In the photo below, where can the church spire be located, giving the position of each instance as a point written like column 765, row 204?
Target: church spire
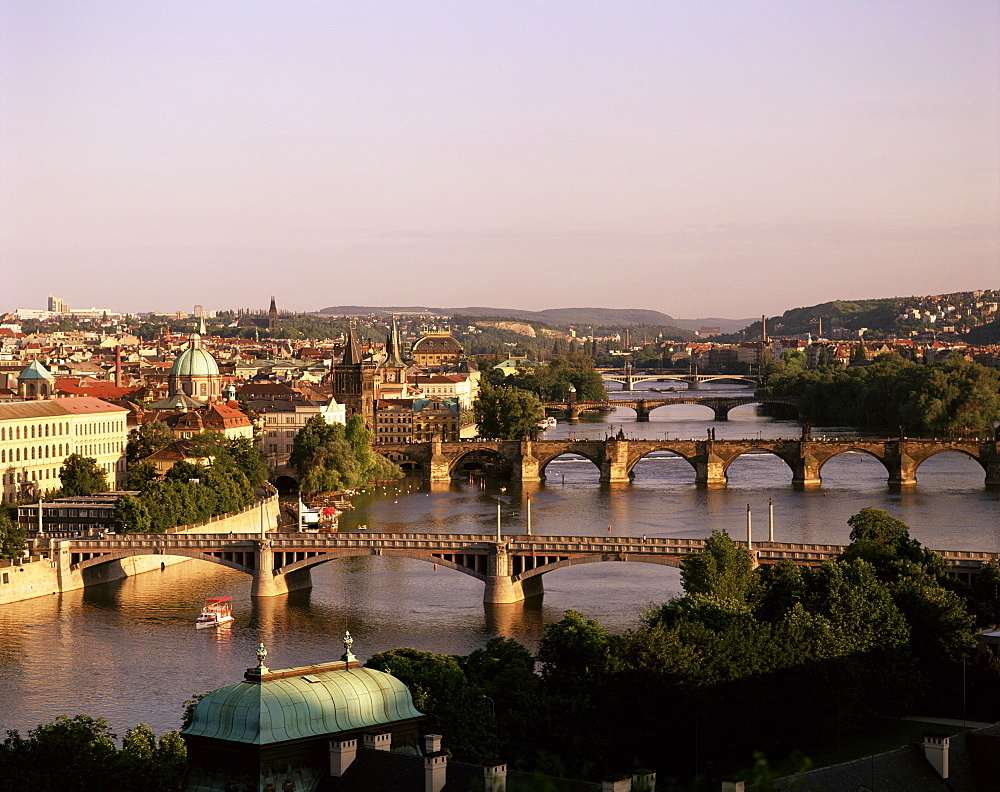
column 352, row 352
column 393, row 358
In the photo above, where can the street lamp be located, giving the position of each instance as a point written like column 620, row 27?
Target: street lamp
column 529, row 516
column 498, row 519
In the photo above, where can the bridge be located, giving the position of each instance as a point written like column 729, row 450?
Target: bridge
column 511, row 567
column 629, row 378
column 720, row 405
column 616, row 457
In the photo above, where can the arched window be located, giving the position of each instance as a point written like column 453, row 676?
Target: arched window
column 18, row 452
column 46, row 430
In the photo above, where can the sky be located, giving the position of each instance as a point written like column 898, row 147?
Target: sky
column 712, row 158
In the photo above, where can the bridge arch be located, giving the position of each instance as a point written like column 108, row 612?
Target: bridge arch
column 855, row 450
column 197, row 555
column 477, row 458
column 665, row 447
column 354, row 552
column 569, row 453
column 685, row 401
column 406, row 463
column 957, row 449
column 669, row 561
column 756, row 451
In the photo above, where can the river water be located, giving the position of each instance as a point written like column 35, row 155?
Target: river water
column 128, row 651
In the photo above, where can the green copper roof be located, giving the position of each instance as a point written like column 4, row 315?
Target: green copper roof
column 194, row 362
column 310, row 704
column 35, row 370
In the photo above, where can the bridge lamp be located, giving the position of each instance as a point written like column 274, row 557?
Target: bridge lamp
column 498, row 519
column 529, row 516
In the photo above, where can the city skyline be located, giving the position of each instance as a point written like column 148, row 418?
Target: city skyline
column 699, row 161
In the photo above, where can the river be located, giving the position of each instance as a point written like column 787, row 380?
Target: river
column 128, row 651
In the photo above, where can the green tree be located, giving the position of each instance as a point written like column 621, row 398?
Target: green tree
column 573, row 650
column 723, row 569
column 506, row 413
column 147, row 439
column 83, row 745
column 11, row 536
column 140, row 475
column 81, row 475
column 131, row 515
column 453, row 705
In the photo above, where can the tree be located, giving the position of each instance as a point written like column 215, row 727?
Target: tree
column 147, row 439
column 11, row 536
column 723, row 569
column 131, row 515
column 81, row 475
column 504, row 413
column 140, row 475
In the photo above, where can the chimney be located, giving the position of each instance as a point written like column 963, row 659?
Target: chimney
column 118, row 366
column 435, row 764
column 342, row 753
column 936, row 752
column 495, row 778
column 378, row 741
column 643, row 781
column 732, row 786
column 617, row 784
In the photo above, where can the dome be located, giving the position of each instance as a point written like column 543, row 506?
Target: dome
column 302, row 703
column 194, row 362
column 35, row 371
column 437, row 343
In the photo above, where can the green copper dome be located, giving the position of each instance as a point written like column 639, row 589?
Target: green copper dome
column 295, row 706
column 195, row 362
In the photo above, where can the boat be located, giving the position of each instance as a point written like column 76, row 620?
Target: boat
column 546, row 423
column 217, row 610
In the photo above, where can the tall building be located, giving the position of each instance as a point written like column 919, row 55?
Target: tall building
column 58, row 305
column 272, row 316
column 37, row 436
column 353, row 382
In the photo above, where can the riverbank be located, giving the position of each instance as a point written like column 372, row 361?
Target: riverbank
column 47, row 572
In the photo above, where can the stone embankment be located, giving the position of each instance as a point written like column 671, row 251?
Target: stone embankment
column 42, row 574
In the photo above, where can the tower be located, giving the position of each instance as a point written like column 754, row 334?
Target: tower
column 36, row 382
column 353, row 381
column 272, row 316
column 393, row 370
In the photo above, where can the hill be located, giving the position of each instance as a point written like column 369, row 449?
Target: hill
column 599, row 317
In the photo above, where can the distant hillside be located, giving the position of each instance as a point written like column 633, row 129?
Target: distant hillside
column 599, row 317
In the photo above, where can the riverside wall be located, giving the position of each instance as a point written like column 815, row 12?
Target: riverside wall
column 43, row 574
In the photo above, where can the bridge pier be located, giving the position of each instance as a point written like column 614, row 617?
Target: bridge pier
column 721, row 412
column 267, row 582
column 526, row 466
column 501, row 588
column 901, row 466
column 641, row 411
column 805, row 473
column 439, row 468
column 709, row 470
column 614, row 467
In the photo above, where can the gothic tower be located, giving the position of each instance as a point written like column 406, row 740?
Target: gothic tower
column 393, row 370
column 272, row 316
column 353, row 382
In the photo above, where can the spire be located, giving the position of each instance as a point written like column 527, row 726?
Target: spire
column 392, row 357
column 201, row 326
column 352, row 352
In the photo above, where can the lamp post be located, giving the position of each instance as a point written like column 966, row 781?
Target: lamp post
column 498, row 519
column 529, row 516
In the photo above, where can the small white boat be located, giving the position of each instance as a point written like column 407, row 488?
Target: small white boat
column 217, row 610
column 546, row 423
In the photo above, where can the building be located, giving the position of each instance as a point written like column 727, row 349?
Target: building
column 436, row 419
column 62, row 518
column 195, row 373
column 436, row 348
column 36, row 382
column 394, row 421
column 37, row 436
column 272, row 316
column 354, row 382
column 448, row 386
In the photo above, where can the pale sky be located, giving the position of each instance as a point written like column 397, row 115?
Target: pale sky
column 697, row 157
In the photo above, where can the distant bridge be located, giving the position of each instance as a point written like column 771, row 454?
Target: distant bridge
column 720, row 405
column 616, row 458
column 511, row 566
column 629, row 378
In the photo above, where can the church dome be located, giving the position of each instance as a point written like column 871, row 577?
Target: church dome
column 194, row 362
column 302, row 703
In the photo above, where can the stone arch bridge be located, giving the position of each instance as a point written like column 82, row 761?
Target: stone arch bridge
column 616, row 458
column 511, row 567
column 720, row 405
column 629, row 378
